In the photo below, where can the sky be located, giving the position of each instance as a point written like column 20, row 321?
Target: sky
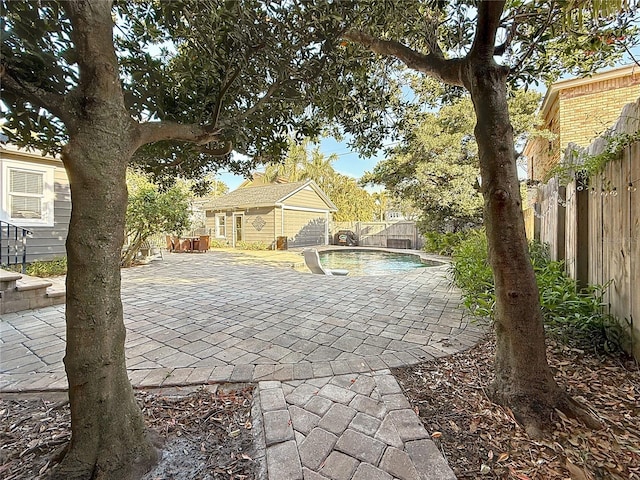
column 350, row 163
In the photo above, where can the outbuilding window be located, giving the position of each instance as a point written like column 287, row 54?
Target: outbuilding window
column 221, row 225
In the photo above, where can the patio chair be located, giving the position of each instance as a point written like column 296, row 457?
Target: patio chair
column 312, row 260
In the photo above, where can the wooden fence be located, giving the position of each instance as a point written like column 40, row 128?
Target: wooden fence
column 594, row 225
column 403, row 234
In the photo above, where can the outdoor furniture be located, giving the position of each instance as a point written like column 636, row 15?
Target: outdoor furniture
column 312, row 260
column 203, row 243
column 175, row 244
column 188, row 244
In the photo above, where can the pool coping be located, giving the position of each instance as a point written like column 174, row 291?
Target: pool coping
column 424, row 256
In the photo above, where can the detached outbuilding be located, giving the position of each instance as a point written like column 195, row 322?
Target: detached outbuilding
column 279, row 214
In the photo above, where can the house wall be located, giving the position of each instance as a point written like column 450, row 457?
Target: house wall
column 579, row 114
column 303, row 228
column 46, row 242
column 306, row 198
column 588, row 110
column 259, row 225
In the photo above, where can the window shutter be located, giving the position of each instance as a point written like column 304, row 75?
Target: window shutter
column 26, row 182
column 26, row 191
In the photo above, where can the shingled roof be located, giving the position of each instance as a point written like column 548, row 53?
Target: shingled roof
column 264, row 196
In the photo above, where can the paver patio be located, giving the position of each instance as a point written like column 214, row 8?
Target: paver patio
column 194, row 319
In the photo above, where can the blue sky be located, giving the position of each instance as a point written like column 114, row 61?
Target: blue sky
column 348, row 162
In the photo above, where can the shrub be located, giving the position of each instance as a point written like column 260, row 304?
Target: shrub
column 218, row 243
column 253, row 245
column 472, row 274
column 42, row 268
column 443, row 243
column 574, row 317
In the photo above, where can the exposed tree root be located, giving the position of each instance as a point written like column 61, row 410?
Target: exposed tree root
column 534, row 413
column 108, row 465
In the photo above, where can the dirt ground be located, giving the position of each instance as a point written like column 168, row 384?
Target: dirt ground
column 209, row 432
column 482, row 440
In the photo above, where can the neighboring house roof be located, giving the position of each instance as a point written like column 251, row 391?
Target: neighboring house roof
column 553, row 91
column 266, row 196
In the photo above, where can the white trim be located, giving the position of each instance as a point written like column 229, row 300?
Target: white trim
column 302, row 209
column 216, row 224
column 48, row 194
column 326, row 228
column 235, row 215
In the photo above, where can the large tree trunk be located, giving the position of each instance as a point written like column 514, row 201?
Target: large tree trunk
column 109, row 439
column 523, row 378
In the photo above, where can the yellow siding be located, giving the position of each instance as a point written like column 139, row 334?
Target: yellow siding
column 306, row 198
column 304, row 228
column 259, row 225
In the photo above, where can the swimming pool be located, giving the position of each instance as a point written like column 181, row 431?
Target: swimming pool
column 373, row 262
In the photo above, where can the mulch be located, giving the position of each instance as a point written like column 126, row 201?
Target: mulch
column 209, row 435
column 482, row 440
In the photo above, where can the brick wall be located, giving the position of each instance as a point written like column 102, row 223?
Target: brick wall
column 578, row 115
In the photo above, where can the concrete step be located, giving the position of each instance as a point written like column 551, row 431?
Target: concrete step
column 23, row 292
column 8, row 280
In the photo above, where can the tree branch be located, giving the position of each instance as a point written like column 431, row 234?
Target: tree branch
column 489, row 13
column 446, row 70
column 38, row 97
column 534, row 41
column 151, row 132
column 273, row 88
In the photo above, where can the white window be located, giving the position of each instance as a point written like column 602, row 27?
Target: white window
column 221, row 225
column 28, row 198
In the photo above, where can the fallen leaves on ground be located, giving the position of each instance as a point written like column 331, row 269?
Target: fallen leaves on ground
column 482, row 440
column 207, row 434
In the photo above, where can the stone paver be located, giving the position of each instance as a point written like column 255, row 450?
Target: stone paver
column 339, row 442
column 318, row 347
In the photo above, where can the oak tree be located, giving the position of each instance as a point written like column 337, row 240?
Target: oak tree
column 435, row 167
column 173, row 87
column 481, row 47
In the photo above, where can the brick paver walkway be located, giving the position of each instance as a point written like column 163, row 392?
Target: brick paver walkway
column 321, row 345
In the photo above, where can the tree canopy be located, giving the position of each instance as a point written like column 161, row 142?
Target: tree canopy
column 436, row 166
column 248, row 73
column 306, row 162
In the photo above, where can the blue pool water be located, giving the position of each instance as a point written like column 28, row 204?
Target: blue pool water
column 372, row 262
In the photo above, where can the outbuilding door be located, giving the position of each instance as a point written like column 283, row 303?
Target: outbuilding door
column 238, row 228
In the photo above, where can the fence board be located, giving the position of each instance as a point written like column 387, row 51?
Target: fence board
column 377, row 234
column 602, row 229
column 634, row 245
column 571, row 229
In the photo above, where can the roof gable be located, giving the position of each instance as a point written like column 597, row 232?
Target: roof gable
column 266, row 196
